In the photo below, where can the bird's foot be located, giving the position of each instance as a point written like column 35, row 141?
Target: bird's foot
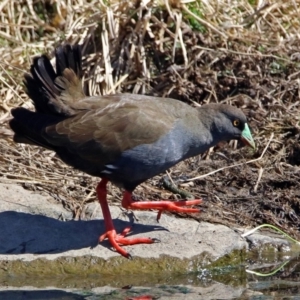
column 116, row 239
column 119, row 239
column 177, row 206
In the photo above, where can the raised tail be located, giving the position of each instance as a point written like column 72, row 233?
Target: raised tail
column 56, row 92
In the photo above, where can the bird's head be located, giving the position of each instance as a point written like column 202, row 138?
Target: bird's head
column 229, row 123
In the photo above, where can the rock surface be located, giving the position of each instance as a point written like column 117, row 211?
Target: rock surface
column 38, row 238
column 35, row 226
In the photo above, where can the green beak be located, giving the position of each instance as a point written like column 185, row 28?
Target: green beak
column 247, row 138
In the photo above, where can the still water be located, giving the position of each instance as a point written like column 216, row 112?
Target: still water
column 277, row 280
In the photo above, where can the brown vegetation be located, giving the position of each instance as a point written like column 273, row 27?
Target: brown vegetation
column 246, row 53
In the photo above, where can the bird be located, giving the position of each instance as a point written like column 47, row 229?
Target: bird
column 124, row 139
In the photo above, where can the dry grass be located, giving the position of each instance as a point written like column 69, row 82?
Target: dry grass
column 241, row 52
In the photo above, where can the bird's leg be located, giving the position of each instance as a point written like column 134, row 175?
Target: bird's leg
column 177, row 206
column 115, row 239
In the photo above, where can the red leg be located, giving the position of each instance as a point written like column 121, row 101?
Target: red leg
column 115, row 239
column 128, row 203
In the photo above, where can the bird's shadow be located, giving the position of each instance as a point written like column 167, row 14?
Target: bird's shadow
column 22, row 233
column 43, row 294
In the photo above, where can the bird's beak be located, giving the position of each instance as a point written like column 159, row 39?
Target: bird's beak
column 247, row 138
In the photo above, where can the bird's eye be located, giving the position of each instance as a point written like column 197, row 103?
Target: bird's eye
column 236, row 123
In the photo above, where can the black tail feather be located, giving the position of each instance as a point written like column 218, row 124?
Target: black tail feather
column 29, row 126
column 40, row 83
column 69, row 57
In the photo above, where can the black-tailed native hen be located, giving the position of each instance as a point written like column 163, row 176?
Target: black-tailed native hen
column 123, row 138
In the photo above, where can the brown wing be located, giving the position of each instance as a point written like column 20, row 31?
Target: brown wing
column 101, row 135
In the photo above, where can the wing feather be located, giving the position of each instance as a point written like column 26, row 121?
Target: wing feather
column 101, row 135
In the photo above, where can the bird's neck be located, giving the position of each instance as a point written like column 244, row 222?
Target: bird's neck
column 201, row 135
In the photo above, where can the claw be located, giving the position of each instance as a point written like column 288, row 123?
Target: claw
column 159, row 215
column 156, row 240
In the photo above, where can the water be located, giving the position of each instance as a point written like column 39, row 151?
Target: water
column 219, row 283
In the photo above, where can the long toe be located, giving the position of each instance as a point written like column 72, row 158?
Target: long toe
column 126, row 242
column 119, row 239
column 178, row 206
column 112, row 237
